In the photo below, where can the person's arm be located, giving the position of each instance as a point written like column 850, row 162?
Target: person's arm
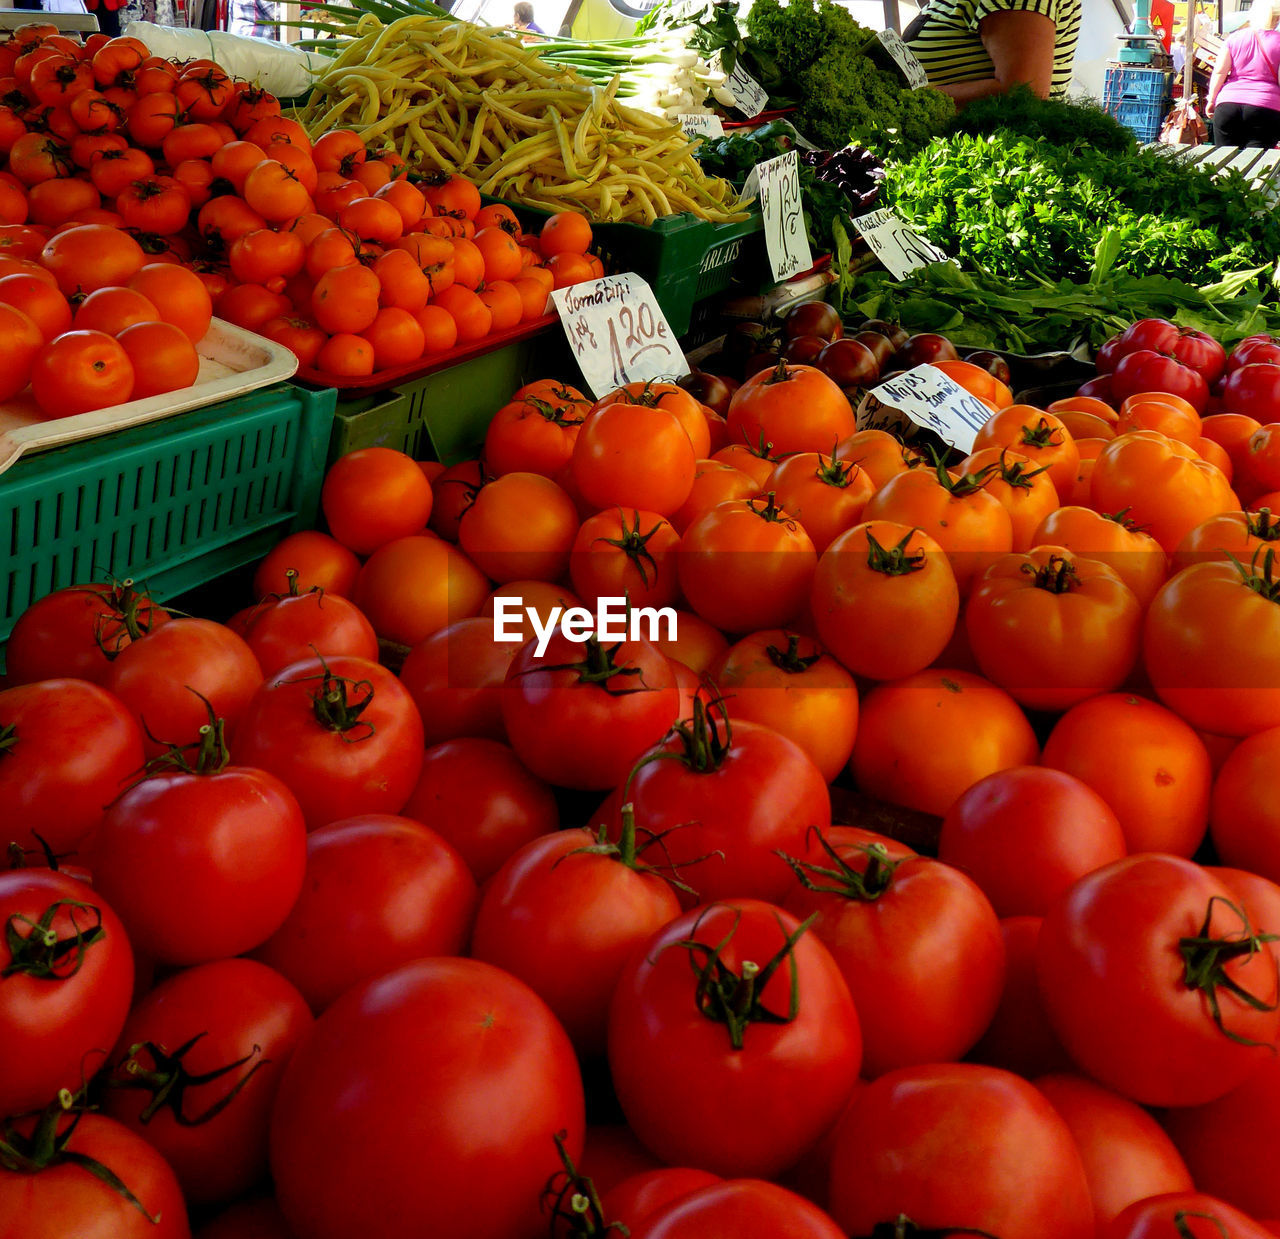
column 1021, row 46
column 1221, row 71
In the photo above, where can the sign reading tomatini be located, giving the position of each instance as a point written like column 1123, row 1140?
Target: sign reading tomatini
column 615, row 619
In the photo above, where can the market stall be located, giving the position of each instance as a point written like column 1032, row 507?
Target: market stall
column 658, row 635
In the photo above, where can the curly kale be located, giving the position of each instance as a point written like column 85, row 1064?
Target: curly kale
column 1063, row 122
column 844, row 93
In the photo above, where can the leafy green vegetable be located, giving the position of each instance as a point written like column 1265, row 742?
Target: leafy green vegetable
column 1020, row 208
column 1062, row 122
column 844, row 94
column 978, row 310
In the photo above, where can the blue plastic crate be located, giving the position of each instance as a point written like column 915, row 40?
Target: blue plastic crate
column 1141, row 116
column 172, row 503
column 1127, row 83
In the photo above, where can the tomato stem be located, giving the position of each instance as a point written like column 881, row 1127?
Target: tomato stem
column 169, row 1079
column 1261, row 581
column 46, row 1148
column 338, row 704
column 553, row 413
column 1262, row 525
column 1058, row 576
column 1205, row 958
column 635, row 545
column 1042, row 435
column 41, row 953
column 771, row 512
column 789, row 660
column 865, row 885
column 575, row 1201
column 897, row 561
column 734, row 999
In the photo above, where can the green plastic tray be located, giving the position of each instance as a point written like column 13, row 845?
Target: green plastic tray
column 683, row 258
column 444, row 416
column 174, row 503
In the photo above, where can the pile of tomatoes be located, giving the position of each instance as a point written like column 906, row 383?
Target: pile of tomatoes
column 354, row 912
column 328, row 248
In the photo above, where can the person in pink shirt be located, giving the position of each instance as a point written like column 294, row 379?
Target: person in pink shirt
column 1244, row 91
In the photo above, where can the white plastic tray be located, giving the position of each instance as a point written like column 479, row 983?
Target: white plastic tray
column 232, row 361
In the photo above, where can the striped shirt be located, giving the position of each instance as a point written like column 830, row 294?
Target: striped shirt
column 945, row 38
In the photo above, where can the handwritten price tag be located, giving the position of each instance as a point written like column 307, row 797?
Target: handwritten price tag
column 618, row 332
column 747, row 93
column 931, row 399
column 777, row 184
column 701, row 124
column 896, row 243
column 904, row 58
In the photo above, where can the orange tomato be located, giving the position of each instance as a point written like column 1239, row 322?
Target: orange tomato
column 925, row 739
column 372, row 219
column 373, row 496
column 92, row 256
column 1242, row 534
column 1170, row 415
column 520, row 527
column 635, row 456
column 20, row 344
column 500, row 252
column 505, row 305
column 112, row 310
column 825, row 495
column 250, row 305
column 163, row 358
column 673, row 398
column 316, row 561
column 1022, row 487
column 179, row 295
column 275, row 192
column 1036, row 434
column 978, row 382
column 439, row 328
column 1129, row 551
column 397, row 338
column 565, row 232
column 714, row 482
column 38, row 297
column 346, row 299
column 346, row 355
column 471, row 316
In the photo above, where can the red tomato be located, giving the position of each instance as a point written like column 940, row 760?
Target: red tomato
column 202, row 865
column 304, row 626
column 918, row 944
column 633, row 1200
column 461, row 1135
column 725, row 801
column 1026, row 834
column 1183, row 1215
column 67, row 749
column 248, row 1219
column 66, row 979
column 1245, row 815
column 163, row 676
column 564, row 914
column 1145, row 370
column 580, row 713
column 54, row 1196
column 792, row 408
column 1019, row 1038
column 1142, row 967
column 626, row 553
column 738, row 1209
column 955, row 1145
column 1126, row 1154
column 455, row 678
column 733, row 1042
column 76, row 632
column 478, row 796
column 380, row 891
column 204, row 1053
column 341, row 734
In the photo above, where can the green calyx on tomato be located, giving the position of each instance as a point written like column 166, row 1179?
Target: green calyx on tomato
column 896, row 560
column 866, row 885
column 169, row 1079
column 555, row 414
column 41, row 953
column 771, row 512
column 1042, row 434
column 1057, row 576
column 129, row 610
column 790, row 659
column 46, row 1147
column 1121, row 518
column 209, row 754
column 1262, row 525
column 625, row 851
column 598, row 668
column 571, row 1198
column 1205, row 959
column 735, row 999
column 635, row 546
column 1017, row 474
column 339, row 702
column 1261, row 581
column 966, row 484
column 833, row 472
column 904, row 1228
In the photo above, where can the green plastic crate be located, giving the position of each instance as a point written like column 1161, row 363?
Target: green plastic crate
column 174, row 504
column 444, row 416
column 683, row 258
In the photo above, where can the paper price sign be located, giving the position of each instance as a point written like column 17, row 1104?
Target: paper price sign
column 747, row 93
column 777, row 184
column 931, row 399
column 618, row 332
column 896, row 243
column 904, row 58
column 701, row 124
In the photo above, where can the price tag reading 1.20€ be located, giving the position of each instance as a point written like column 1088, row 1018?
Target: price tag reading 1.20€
column 618, row 332
column 905, row 59
column 896, row 243
column 931, row 399
column 777, row 183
